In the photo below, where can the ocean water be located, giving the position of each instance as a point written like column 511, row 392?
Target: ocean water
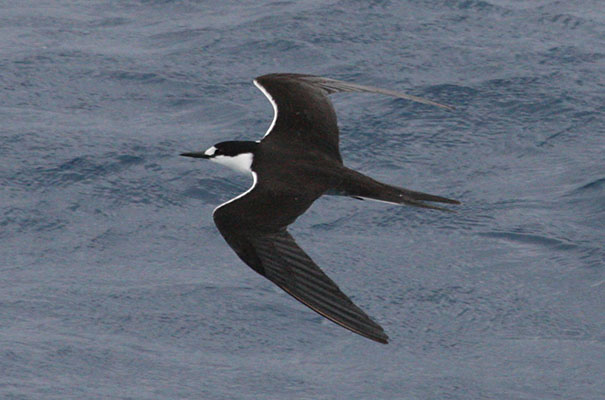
column 115, row 284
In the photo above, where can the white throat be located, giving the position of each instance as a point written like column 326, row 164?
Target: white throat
column 241, row 162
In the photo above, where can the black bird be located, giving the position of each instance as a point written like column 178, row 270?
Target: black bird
column 296, row 162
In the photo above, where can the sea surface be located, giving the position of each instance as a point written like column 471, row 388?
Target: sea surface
column 115, row 283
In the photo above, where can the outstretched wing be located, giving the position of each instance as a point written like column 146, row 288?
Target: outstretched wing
column 262, row 242
column 334, row 86
column 303, row 113
column 289, row 267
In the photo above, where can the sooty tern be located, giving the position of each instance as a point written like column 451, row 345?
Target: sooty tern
column 296, row 162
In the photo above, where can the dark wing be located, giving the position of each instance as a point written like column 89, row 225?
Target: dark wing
column 260, row 239
column 290, row 268
column 303, row 112
column 334, row 86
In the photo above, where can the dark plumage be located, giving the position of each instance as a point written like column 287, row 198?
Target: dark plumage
column 296, row 162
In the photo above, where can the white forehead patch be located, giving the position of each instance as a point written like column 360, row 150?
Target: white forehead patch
column 210, row 151
column 241, row 162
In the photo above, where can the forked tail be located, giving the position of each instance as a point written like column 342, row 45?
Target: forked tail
column 363, row 187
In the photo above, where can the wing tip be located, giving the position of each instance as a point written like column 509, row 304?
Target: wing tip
column 376, row 333
column 379, row 337
column 334, row 85
column 382, row 339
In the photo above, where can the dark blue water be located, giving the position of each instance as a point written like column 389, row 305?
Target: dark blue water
column 116, row 284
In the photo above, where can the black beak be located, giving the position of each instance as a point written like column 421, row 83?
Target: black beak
column 199, row 154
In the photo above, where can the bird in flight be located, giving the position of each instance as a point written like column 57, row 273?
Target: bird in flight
column 297, row 161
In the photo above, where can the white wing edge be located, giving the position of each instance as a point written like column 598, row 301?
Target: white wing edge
column 254, row 181
column 268, row 96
